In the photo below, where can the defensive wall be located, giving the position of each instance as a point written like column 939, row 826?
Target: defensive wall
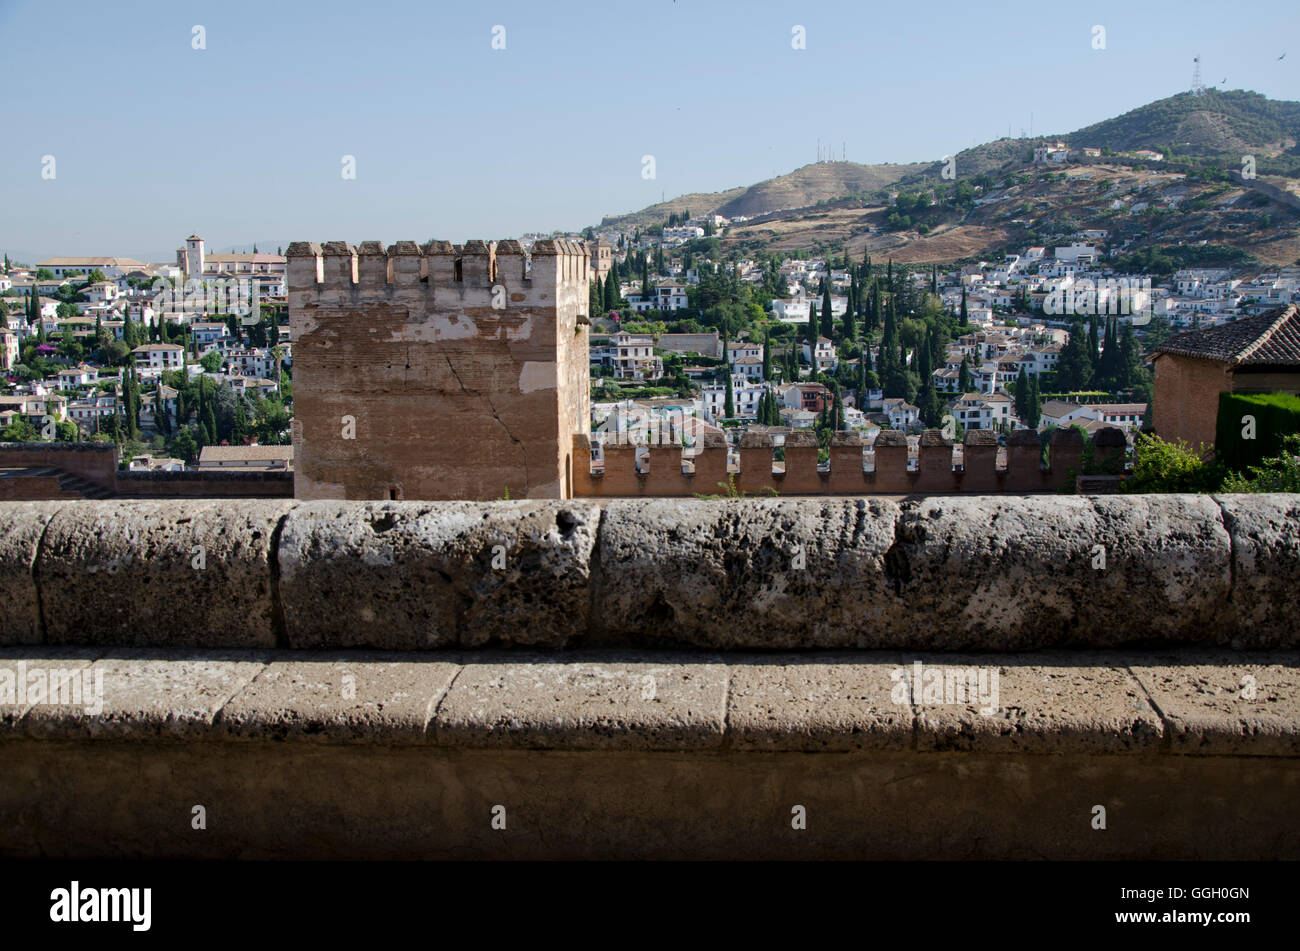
column 664, row 470
column 653, row 678
column 58, row 470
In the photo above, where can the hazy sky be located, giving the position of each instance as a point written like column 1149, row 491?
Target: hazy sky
column 243, row 141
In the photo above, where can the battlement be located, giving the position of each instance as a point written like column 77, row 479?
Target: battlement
column 368, row 271
column 662, row 469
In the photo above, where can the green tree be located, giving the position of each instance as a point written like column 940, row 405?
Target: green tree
column 1074, row 370
column 1034, row 405
column 1022, row 393
column 184, row 446
column 828, row 321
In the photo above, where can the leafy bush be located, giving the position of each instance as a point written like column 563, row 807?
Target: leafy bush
column 1161, row 466
column 1280, row 473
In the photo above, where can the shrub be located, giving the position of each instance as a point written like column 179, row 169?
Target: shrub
column 1280, row 473
column 1276, row 417
column 1161, row 466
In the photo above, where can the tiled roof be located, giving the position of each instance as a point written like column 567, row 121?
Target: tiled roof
column 1271, row 339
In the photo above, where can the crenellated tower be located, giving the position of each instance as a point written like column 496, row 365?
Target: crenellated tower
column 438, row 371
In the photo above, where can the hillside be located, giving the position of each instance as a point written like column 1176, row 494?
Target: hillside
column 811, row 184
column 841, row 206
column 1234, row 122
column 801, row 188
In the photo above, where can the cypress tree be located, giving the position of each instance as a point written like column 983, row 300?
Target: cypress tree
column 611, row 291
column 1022, row 393
column 964, row 319
column 767, row 357
column 1094, row 346
column 828, row 321
column 963, row 378
column 812, row 328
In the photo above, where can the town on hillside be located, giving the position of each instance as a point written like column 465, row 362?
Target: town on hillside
column 188, row 364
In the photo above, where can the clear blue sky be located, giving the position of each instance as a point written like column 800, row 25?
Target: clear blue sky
column 243, row 141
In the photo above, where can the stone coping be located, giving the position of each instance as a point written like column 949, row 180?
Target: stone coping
column 1121, row 703
column 988, row 573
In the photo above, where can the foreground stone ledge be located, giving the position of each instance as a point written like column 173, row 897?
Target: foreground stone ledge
column 147, row 695
column 1264, row 532
column 21, row 529
column 187, row 574
column 999, row 574
column 347, row 698
column 817, row 703
column 415, row 575
column 1246, row 706
column 601, row 701
column 951, row 573
column 763, row 573
column 1076, row 704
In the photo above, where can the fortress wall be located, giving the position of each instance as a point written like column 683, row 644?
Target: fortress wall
column 665, row 472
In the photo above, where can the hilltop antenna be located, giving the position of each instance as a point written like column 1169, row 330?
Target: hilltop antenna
column 1198, row 87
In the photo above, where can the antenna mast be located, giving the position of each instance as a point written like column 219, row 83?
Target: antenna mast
column 1198, row 88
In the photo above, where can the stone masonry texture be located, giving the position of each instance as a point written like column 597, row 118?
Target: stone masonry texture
column 943, row 573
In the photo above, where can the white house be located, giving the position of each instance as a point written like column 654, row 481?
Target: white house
column 159, row 356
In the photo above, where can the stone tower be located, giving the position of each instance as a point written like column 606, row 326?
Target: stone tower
column 438, row 372
column 192, row 257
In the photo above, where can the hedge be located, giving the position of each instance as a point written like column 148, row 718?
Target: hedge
column 1277, row 415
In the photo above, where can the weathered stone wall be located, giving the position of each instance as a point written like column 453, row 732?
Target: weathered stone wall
column 437, row 372
column 666, row 472
column 946, row 572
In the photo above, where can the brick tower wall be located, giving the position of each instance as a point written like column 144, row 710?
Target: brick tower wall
column 438, row 371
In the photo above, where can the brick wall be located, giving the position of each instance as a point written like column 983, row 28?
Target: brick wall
column 1186, row 402
column 852, row 470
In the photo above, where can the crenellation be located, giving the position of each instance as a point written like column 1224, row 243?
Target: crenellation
column 660, row 471
column 395, row 346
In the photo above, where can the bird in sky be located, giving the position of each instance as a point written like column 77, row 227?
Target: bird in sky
column 1282, row 57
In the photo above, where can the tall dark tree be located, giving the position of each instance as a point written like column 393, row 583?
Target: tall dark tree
column 1074, row 369
column 767, row 357
column 961, row 314
column 1022, row 393
column 828, row 321
column 1035, row 405
column 963, row 376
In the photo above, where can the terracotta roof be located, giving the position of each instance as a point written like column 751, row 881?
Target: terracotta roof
column 1271, row 339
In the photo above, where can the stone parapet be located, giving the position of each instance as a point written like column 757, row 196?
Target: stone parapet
column 954, row 573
